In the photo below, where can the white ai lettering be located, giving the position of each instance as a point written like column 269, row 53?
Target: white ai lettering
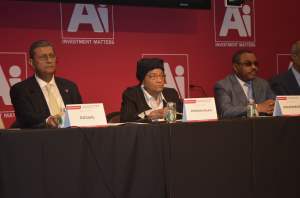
column 233, row 20
column 15, row 73
column 177, row 82
column 89, row 14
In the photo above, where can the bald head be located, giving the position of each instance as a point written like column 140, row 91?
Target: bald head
column 295, row 51
column 295, row 48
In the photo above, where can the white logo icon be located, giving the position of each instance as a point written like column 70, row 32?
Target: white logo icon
column 177, row 82
column 234, row 20
column 97, row 17
column 15, row 77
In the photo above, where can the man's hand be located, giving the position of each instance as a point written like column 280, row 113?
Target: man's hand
column 53, row 121
column 266, row 107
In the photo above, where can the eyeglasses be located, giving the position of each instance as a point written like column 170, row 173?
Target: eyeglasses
column 45, row 57
column 249, row 63
column 154, row 76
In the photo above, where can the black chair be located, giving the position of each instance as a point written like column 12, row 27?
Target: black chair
column 14, row 125
column 113, row 117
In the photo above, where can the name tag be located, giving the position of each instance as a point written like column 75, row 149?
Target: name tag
column 287, row 106
column 84, row 115
column 199, row 109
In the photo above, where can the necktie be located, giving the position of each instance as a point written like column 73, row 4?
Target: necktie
column 250, row 91
column 55, row 109
column 1, row 124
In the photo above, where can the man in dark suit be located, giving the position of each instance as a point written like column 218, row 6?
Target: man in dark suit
column 233, row 93
column 147, row 101
column 39, row 100
column 288, row 83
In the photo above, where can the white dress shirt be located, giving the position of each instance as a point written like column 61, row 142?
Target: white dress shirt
column 244, row 86
column 153, row 103
column 55, row 92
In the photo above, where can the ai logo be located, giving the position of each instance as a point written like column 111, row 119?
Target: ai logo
column 13, row 69
column 176, row 69
column 283, row 63
column 234, row 26
column 87, row 24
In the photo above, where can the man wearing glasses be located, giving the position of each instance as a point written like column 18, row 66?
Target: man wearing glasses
column 39, row 100
column 147, row 100
column 235, row 91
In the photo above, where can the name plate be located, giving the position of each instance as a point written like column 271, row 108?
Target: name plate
column 84, row 115
column 287, row 106
column 199, row 109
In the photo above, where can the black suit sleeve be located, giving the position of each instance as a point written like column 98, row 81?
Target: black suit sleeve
column 277, row 87
column 179, row 105
column 28, row 116
column 68, row 91
column 129, row 108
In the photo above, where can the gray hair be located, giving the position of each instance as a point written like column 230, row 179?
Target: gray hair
column 37, row 44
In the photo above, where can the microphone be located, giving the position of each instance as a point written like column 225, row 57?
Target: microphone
column 193, row 86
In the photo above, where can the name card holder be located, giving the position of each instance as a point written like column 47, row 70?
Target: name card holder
column 84, row 115
column 199, row 110
column 287, row 106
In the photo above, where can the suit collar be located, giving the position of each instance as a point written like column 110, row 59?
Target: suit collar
column 257, row 90
column 148, row 97
column 43, row 83
column 62, row 87
column 141, row 97
column 37, row 95
column 238, row 90
column 63, row 90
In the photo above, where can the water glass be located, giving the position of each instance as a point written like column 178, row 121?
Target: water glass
column 170, row 114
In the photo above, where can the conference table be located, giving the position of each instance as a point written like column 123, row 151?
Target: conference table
column 236, row 158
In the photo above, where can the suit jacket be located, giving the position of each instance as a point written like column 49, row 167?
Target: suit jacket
column 134, row 102
column 30, row 105
column 285, row 84
column 231, row 100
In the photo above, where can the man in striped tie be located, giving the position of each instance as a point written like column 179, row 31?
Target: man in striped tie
column 236, row 90
column 40, row 99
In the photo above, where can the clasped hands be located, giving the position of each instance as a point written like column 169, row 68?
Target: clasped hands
column 157, row 114
column 266, row 107
column 54, row 121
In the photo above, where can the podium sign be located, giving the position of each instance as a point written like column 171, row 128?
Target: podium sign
column 84, row 115
column 287, row 106
column 199, row 109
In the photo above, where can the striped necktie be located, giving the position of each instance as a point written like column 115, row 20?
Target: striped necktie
column 250, row 91
column 55, row 109
column 1, row 124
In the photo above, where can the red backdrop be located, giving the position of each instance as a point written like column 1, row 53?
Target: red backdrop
column 98, row 46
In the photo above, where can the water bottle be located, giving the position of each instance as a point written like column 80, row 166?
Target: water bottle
column 251, row 109
column 170, row 114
